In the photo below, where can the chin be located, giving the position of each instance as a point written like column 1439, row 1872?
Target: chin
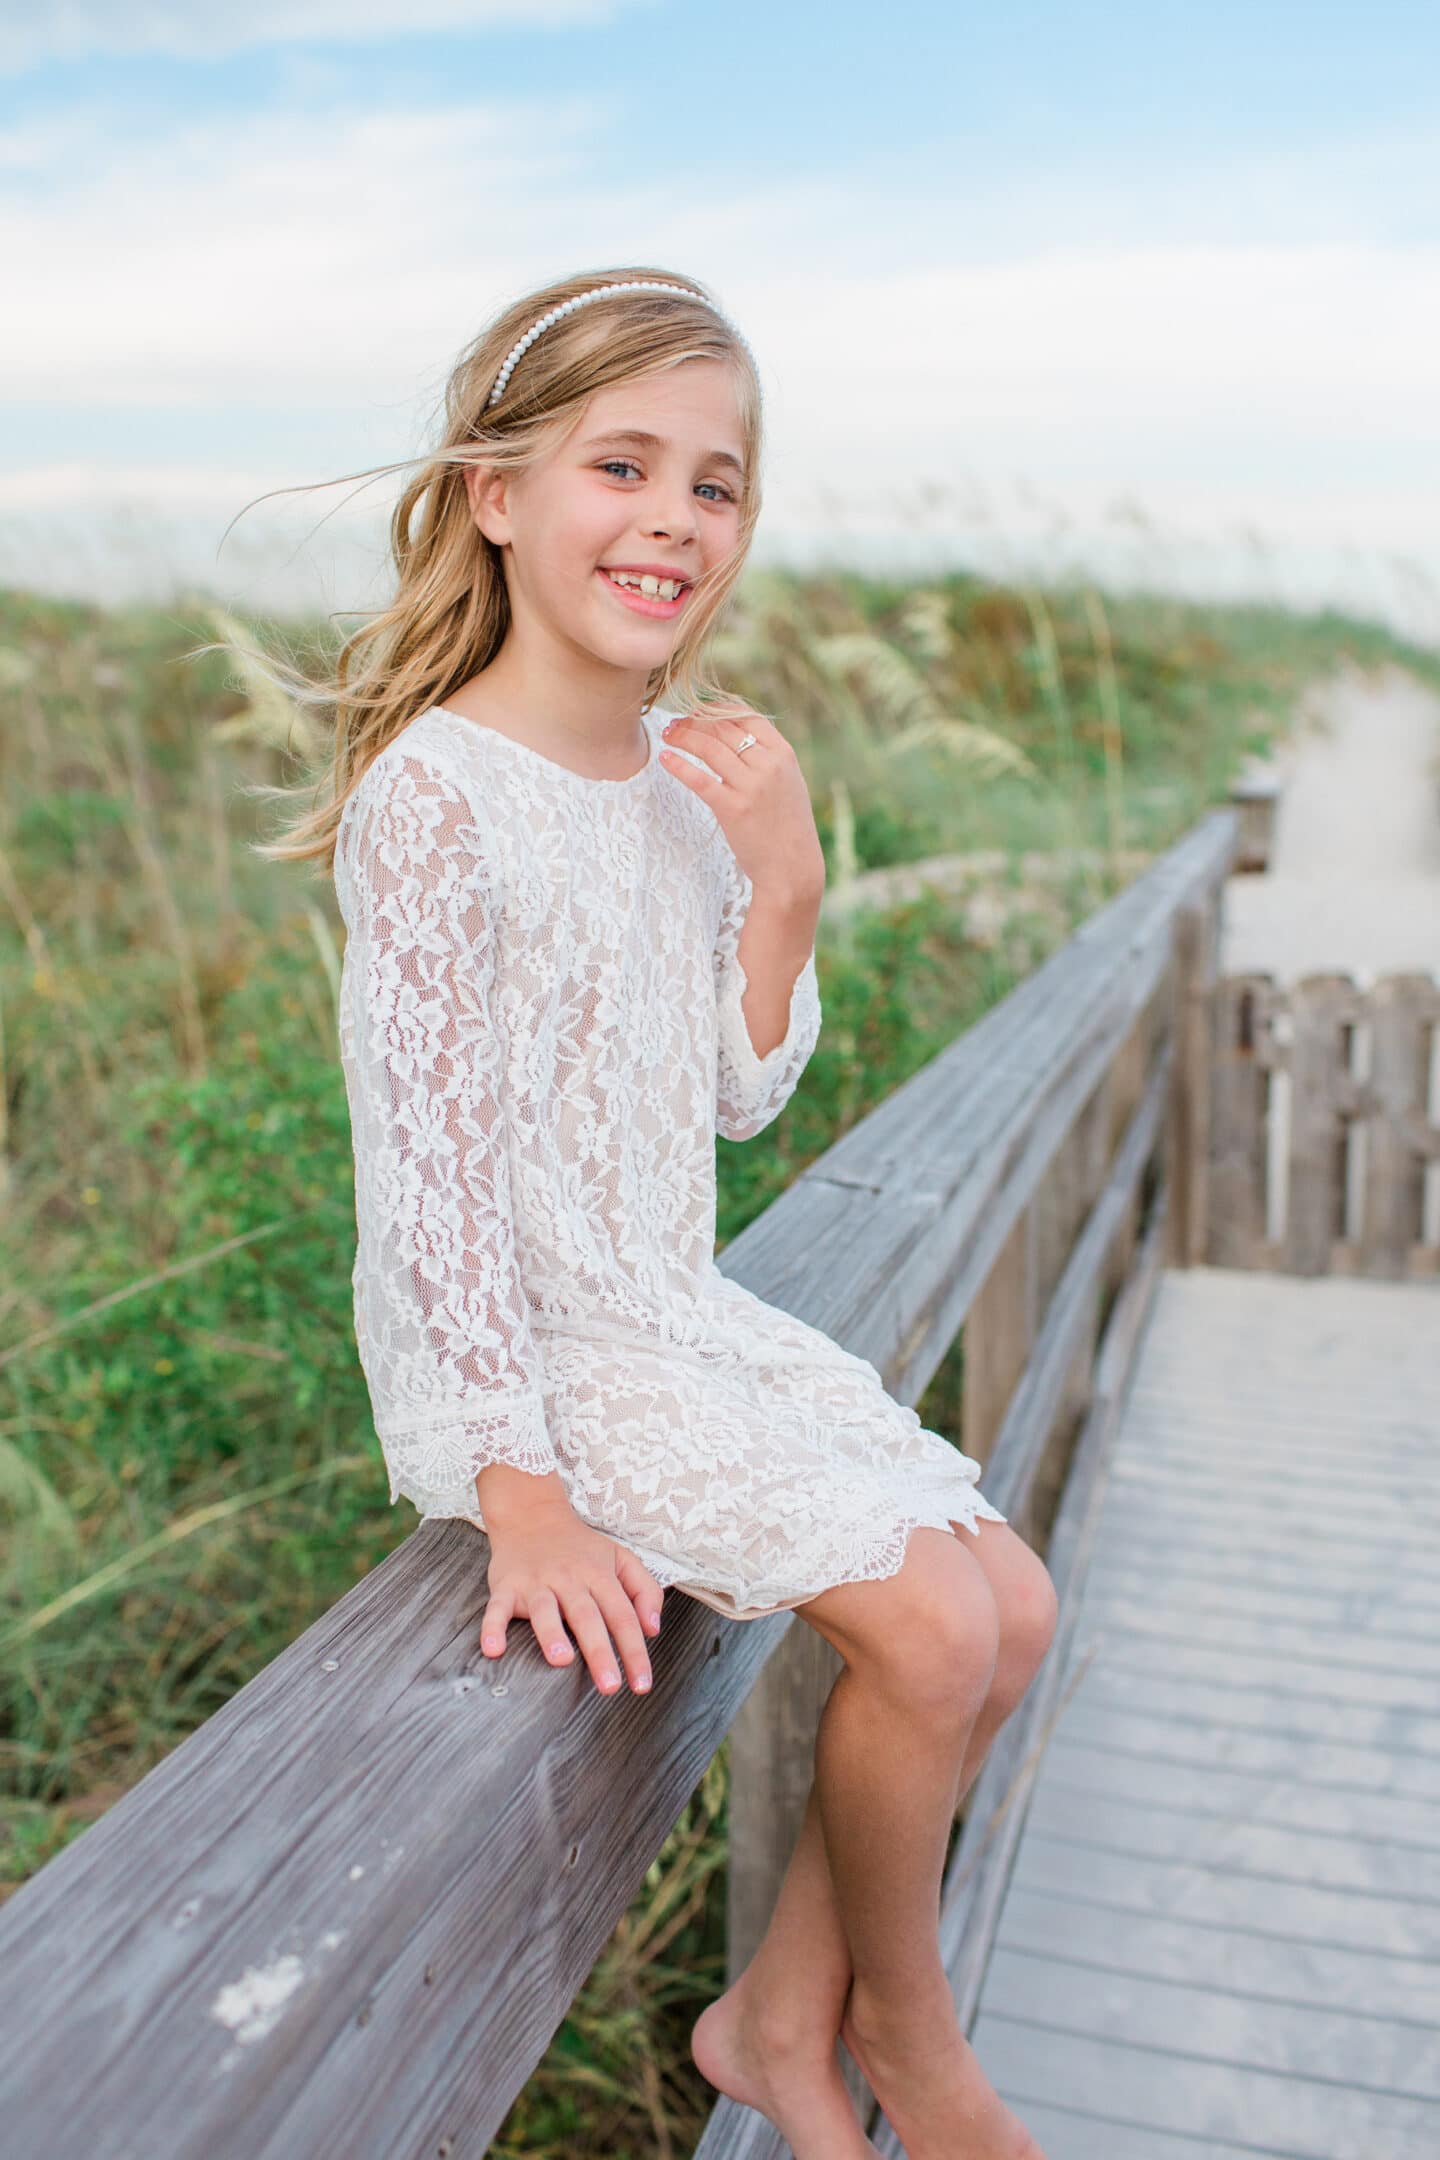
column 641, row 646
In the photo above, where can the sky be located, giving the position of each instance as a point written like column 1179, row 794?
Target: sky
column 1148, row 289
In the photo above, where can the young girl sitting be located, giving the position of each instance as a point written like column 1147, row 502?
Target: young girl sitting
column 581, row 928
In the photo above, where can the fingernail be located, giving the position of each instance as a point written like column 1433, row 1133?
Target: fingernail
column 654, row 1619
column 643, row 1682
column 557, row 1649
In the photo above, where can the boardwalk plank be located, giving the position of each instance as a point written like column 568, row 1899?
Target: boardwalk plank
column 1293, row 1912
column 1256, row 1796
column 1387, row 1610
column 1262, row 1968
column 1329, row 1534
column 1201, row 1485
column 1115, row 1823
column 1195, row 1620
column 1126, row 1732
column 1262, row 1668
column 1217, row 2024
column 1070, row 2134
column 1311, row 2118
column 1239, row 1559
column 1261, row 1709
column 1328, row 1525
column 1274, row 1425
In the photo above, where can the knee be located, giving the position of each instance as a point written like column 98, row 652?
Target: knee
column 1027, row 1609
column 937, row 1654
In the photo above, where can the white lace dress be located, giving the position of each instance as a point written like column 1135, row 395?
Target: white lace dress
column 541, row 1032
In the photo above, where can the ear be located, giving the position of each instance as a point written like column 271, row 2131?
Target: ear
column 488, row 493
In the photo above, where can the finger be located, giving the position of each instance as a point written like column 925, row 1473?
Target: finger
column 494, row 1621
column 641, row 1587
column 551, row 1636
column 625, row 1627
column 588, row 1626
column 700, row 780
column 733, row 727
column 707, row 742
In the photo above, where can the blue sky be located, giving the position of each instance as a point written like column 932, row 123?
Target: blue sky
column 1068, row 263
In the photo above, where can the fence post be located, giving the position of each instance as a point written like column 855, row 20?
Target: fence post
column 1323, row 1009
column 1402, row 1011
column 1245, row 1011
column 1000, row 1333
column 1187, row 1139
column 1255, row 797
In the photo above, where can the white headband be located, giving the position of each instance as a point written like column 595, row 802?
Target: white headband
column 600, row 292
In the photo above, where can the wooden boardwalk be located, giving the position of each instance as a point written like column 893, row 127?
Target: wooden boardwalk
column 1221, row 1935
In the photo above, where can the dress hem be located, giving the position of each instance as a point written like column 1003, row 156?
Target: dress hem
column 873, row 1556
column 880, row 1559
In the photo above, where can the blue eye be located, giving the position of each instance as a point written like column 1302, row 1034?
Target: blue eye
column 722, row 494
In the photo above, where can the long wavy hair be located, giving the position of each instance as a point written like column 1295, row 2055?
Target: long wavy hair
column 450, row 611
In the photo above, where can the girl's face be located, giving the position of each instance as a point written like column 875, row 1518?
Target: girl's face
column 607, row 501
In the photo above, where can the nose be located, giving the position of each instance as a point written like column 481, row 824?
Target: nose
column 673, row 519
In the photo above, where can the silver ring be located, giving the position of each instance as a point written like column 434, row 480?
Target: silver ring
column 746, row 742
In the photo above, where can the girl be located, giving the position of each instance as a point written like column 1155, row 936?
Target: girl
column 581, row 929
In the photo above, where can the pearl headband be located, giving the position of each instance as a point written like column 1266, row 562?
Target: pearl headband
column 599, row 292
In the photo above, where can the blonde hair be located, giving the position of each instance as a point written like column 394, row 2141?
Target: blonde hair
column 450, row 611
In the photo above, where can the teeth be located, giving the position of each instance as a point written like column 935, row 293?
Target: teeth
column 655, row 588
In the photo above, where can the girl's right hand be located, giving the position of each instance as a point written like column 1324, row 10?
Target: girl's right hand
column 551, row 1562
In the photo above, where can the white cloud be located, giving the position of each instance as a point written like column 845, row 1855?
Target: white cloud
column 324, row 267
column 79, row 483
column 293, row 258
column 81, row 29
column 1327, row 336
column 345, row 255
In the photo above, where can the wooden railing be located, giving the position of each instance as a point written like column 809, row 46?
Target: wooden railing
column 1326, row 1142
column 346, row 1916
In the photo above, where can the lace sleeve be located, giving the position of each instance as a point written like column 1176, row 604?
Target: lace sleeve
column 752, row 1091
column 442, row 1325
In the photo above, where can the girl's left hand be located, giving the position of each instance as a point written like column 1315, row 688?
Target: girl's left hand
column 759, row 796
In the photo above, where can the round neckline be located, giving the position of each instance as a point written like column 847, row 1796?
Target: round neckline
column 587, row 780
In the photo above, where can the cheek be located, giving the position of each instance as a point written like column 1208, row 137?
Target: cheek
column 579, row 531
column 720, row 538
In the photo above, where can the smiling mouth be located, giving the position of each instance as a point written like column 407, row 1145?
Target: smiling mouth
column 644, row 603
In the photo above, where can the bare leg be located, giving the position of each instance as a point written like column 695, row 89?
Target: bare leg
column 885, row 1839
column 769, row 2039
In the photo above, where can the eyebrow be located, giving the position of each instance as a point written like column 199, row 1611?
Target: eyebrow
column 648, row 441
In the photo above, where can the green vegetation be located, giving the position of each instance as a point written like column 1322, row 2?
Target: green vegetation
column 188, row 1475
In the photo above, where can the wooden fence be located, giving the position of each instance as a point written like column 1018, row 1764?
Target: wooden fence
column 1326, row 1140
column 346, row 1916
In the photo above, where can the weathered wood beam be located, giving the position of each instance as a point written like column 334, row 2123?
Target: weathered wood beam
column 347, row 1914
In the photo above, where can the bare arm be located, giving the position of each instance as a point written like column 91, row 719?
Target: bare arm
column 509, row 1495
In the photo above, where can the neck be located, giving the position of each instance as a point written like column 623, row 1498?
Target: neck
column 571, row 705
column 593, row 726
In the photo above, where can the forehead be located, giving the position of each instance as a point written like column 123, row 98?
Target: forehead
column 693, row 405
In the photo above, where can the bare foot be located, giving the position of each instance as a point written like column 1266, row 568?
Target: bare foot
column 794, row 2082
column 928, row 2080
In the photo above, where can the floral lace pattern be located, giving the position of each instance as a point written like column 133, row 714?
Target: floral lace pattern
column 542, row 1032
